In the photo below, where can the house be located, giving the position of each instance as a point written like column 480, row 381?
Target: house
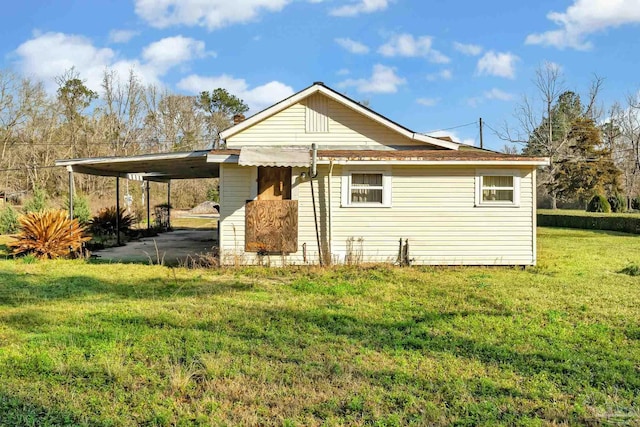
column 319, row 177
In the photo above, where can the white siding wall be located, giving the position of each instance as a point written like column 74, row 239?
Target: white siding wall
column 235, row 190
column 431, row 206
column 345, row 128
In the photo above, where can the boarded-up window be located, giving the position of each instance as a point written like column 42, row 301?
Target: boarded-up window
column 271, row 226
column 317, row 120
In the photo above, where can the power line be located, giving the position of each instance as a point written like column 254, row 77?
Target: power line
column 28, row 167
column 453, row 127
column 487, row 125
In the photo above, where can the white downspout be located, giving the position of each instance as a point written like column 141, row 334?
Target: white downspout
column 330, row 215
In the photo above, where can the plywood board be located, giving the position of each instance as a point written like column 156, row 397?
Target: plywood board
column 271, row 226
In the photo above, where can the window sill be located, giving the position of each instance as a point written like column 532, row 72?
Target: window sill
column 496, row 205
column 365, row 205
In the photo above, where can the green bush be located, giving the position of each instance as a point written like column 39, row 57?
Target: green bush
column 587, row 222
column 618, row 203
column 599, row 203
column 213, row 194
column 9, row 221
column 635, row 203
column 37, row 203
column 81, row 209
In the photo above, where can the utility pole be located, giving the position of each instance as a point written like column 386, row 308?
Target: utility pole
column 481, row 141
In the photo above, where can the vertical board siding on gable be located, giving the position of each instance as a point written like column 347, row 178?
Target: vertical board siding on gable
column 317, row 114
column 346, row 127
column 432, row 206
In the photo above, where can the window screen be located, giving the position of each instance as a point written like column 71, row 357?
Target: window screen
column 497, row 188
column 366, row 188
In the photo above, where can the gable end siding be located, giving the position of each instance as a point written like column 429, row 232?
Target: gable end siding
column 317, row 118
column 345, row 127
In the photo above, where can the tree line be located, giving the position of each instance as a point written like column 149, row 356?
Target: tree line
column 125, row 117
column 593, row 150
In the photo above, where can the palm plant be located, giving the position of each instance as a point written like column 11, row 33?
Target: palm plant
column 49, row 234
column 105, row 222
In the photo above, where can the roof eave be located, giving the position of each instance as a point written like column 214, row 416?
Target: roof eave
column 233, row 158
column 125, row 159
column 536, row 163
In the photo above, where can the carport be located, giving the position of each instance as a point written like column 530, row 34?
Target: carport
column 162, row 167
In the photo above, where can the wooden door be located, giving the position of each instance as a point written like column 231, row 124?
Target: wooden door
column 274, row 183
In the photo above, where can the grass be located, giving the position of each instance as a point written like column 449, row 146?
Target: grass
column 578, row 212
column 87, row 344
column 191, row 222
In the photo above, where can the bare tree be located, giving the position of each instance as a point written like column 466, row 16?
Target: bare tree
column 623, row 137
column 509, row 149
column 544, row 122
column 123, row 110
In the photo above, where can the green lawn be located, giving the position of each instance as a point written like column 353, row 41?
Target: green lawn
column 109, row 344
column 578, row 212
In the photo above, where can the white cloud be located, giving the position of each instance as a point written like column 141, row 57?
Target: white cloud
column 585, row 17
column 474, row 101
column 257, row 98
column 500, row 64
column 172, row 51
column 428, row 102
column 408, row 46
column 499, row 95
column 468, row 49
column 445, row 74
column 383, row 80
column 352, row 46
column 212, row 14
column 357, row 7
column 454, row 136
column 495, row 94
column 122, row 36
column 49, row 55
column 343, row 72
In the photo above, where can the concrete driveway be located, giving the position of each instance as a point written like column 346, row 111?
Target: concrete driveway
column 173, row 247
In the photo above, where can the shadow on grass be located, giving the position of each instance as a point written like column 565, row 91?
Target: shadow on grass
column 19, row 411
column 4, row 250
column 568, row 365
column 283, row 336
column 569, row 232
column 18, row 289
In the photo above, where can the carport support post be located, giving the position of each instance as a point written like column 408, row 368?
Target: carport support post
column 118, row 210
column 169, row 204
column 148, row 207
column 70, row 170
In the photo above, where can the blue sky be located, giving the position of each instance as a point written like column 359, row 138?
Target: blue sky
column 428, row 65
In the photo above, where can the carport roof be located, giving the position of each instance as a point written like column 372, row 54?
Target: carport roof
column 153, row 167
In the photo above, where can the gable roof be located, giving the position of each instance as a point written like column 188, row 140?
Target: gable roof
column 319, row 87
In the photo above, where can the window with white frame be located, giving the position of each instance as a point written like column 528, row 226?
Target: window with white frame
column 497, row 188
column 366, row 188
